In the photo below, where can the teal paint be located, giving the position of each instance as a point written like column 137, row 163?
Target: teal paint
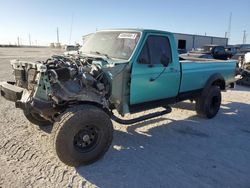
column 167, row 85
column 194, row 74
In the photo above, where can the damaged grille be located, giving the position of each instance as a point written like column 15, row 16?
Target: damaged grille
column 20, row 75
column 25, row 78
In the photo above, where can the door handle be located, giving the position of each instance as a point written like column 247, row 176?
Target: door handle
column 152, row 79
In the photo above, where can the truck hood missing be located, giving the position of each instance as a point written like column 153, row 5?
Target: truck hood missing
column 64, row 80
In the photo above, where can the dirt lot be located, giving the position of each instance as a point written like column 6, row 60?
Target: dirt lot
column 175, row 150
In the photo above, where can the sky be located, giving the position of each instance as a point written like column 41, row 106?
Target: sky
column 39, row 19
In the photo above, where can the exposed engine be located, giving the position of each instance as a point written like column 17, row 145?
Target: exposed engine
column 73, row 76
column 62, row 80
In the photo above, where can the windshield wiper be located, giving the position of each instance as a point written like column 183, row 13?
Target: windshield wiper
column 99, row 53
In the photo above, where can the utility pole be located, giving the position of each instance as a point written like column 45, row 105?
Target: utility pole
column 57, row 34
column 244, row 37
column 29, row 39
column 18, row 42
column 229, row 27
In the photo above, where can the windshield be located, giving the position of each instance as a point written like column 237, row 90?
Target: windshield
column 112, row 44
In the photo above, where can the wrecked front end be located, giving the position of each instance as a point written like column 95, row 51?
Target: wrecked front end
column 48, row 88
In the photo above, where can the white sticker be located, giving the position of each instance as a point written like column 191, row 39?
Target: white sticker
column 127, row 36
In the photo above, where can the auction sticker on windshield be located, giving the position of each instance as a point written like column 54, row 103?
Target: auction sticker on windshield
column 127, row 36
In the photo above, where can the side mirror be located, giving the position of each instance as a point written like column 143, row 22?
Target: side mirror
column 165, row 60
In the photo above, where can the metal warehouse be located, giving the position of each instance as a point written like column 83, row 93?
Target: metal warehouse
column 189, row 41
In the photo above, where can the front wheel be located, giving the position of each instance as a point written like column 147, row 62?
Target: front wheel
column 83, row 135
column 209, row 104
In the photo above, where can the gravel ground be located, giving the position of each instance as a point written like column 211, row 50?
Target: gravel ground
column 175, row 150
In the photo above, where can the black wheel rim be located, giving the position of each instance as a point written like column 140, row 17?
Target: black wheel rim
column 86, row 139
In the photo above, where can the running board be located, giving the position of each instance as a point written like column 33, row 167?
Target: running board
column 141, row 118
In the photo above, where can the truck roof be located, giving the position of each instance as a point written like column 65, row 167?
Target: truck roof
column 136, row 30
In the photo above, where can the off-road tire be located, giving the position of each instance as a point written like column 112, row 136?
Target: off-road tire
column 75, row 120
column 36, row 119
column 208, row 105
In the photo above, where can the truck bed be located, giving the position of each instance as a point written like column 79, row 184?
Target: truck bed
column 199, row 60
column 195, row 73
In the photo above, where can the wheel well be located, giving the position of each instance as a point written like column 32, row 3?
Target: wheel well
column 98, row 105
column 220, row 83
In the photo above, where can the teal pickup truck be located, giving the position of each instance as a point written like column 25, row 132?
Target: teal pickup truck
column 128, row 70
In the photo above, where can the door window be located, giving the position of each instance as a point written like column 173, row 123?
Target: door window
column 154, row 49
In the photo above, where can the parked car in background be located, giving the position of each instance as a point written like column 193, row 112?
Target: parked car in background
column 231, row 50
column 209, row 52
column 72, row 47
column 242, row 48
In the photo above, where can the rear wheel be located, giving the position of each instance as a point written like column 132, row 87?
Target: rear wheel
column 83, row 135
column 36, row 119
column 209, row 104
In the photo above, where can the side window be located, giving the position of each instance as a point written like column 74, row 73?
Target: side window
column 153, row 50
column 144, row 55
column 216, row 51
column 219, row 50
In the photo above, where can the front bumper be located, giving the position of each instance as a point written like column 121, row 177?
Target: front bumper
column 21, row 97
column 11, row 92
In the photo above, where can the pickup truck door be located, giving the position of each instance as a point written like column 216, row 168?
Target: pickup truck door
column 150, row 80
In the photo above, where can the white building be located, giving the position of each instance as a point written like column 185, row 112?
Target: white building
column 189, row 41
